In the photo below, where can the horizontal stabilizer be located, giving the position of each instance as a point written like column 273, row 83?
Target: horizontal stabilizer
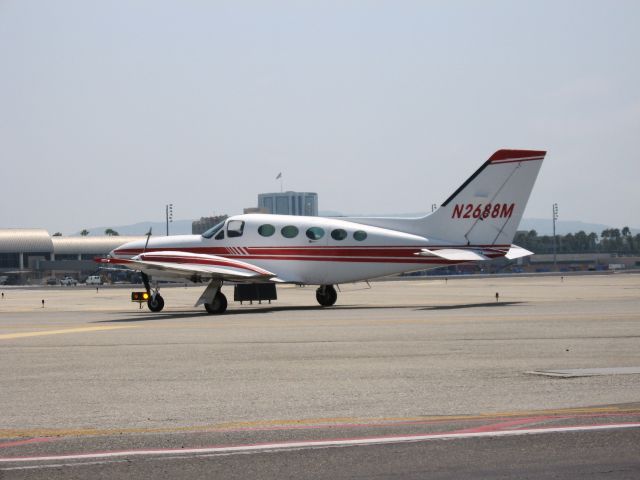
column 517, row 252
column 455, row 254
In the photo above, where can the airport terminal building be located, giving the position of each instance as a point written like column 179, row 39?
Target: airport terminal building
column 32, row 254
column 289, row 203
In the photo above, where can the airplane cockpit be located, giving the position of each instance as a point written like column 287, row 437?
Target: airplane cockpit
column 235, row 228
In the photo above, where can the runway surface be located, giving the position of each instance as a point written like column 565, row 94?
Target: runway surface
column 401, row 380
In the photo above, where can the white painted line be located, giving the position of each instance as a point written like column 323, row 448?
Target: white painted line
column 587, row 372
column 318, row 443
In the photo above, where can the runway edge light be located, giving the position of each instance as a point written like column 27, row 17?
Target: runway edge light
column 139, row 296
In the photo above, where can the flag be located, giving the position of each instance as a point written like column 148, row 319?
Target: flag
column 279, row 176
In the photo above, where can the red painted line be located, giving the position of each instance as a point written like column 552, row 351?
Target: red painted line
column 398, row 260
column 18, row 443
column 492, row 427
column 405, row 261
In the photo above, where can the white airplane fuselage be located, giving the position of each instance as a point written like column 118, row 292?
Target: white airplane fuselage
column 477, row 222
column 303, row 259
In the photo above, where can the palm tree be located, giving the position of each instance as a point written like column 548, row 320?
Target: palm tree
column 627, row 238
column 84, row 232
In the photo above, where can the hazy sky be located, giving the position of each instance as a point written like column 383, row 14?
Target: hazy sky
column 110, row 110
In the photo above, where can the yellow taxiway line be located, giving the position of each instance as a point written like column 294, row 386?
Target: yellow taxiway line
column 309, row 422
column 8, row 336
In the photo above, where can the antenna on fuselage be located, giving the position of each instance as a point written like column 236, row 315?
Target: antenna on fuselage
column 147, row 242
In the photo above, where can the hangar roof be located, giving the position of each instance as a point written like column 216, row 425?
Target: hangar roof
column 90, row 244
column 25, row 240
column 37, row 240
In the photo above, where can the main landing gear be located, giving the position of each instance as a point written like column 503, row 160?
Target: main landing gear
column 326, row 295
column 218, row 304
column 213, row 299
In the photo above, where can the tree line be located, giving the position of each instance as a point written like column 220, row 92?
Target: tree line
column 611, row 240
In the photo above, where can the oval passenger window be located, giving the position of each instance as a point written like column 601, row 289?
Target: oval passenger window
column 266, row 230
column 359, row 235
column 338, row 234
column 289, row 231
column 315, row 233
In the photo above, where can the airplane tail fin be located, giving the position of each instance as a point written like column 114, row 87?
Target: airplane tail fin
column 485, row 210
column 488, row 207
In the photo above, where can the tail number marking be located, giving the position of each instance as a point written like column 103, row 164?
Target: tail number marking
column 495, row 210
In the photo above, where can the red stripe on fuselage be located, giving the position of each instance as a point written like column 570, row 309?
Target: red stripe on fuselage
column 319, row 252
column 311, row 256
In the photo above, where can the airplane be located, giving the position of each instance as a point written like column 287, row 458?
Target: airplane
column 477, row 222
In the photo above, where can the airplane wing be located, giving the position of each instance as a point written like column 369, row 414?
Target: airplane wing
column 193, row 266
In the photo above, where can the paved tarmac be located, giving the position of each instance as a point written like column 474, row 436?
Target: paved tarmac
column 91, row 373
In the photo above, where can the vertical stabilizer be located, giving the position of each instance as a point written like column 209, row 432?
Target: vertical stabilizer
column 484, row 210
column 488, row 207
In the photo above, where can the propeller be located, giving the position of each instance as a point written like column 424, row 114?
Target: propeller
column 147, row 242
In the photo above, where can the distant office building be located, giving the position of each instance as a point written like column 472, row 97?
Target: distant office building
column 255, row 210
column 205, row 223
column 289, row 203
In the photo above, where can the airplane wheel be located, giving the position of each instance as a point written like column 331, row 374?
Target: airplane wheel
column 219, row 304
column 155, row 304
column 326, row 295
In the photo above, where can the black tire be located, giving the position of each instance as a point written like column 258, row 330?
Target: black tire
column 155, row 304
column 218, row 306
column 326, row 295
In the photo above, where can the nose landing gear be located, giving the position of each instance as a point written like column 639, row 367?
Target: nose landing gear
column 326, row 295
column 155, row 302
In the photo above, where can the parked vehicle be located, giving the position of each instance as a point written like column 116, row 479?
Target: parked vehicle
column 51, row 281
column 68, row 281
column 94, row 280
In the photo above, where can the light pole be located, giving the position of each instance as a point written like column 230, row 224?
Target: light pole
column 168, row 209
column 555, row 217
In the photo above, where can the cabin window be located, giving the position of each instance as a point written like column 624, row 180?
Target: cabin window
column 359, row 235
column 266, row 230
column 235, row 228
column 315, row 233
column 220, row 235
column 338, row 234
column 213, row 230
column 289, row 231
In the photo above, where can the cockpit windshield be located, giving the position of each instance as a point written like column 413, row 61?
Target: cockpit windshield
column 213, row 230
